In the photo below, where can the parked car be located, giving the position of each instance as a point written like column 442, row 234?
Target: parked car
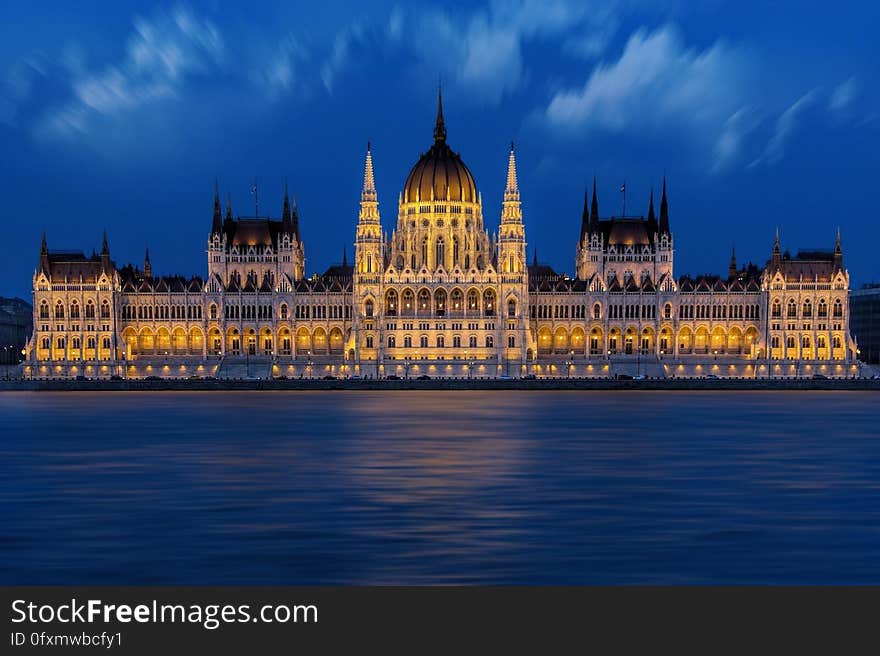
column 424, row 377
column 711, row 377
column 115, row 377
column 392, row 377
column 530, row 377
column 623, row 377
column 640, row 377
column 820, row 377
column 329, row 377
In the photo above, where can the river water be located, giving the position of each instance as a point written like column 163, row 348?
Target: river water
column 424, row 487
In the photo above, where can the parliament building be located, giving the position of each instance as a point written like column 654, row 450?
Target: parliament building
column 441, row 297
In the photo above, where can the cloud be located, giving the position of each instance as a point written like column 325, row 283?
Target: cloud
column 843, row 96
column 655, row 79
column 341, row 53
column 785, row 127
column 482, row 51
column 734, row 136
column 162, row 54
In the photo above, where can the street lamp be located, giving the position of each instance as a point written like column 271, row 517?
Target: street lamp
column 406, row 368
column 309, row 364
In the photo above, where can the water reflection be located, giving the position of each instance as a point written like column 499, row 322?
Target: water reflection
column 431, row 487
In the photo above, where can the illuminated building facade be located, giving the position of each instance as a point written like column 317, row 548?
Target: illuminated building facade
column 441, row 297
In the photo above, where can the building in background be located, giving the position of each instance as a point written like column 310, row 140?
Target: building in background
column 865, row 322
column 16, row 326
column 441, row 296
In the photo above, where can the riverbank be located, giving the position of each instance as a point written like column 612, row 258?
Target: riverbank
column 442, row 384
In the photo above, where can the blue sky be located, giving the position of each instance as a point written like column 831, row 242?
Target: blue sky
column 120, row 116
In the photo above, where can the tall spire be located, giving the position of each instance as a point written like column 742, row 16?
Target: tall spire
column 294, row 219
column 344, row 256
column 651, row 216
column 217, row 222
column 511, row 192
column 664, row 211
column 44, row 249
column 286, row 223
column 105, row 249
column 148, row 268
column 535, row 258
column 439, row 125
column 368, row 193
column 732, row 269
column 838, row 253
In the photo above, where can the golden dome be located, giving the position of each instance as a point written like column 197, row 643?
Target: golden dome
column 440, row 174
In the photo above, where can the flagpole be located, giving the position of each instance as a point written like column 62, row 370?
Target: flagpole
column 623, row 190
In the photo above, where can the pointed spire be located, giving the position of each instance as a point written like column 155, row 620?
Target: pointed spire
column 148, row 268
column 664, row 210
column 651, row 216
column 368, row 193
column 512, row 188
column 217, row 222
column 294, row 219
column 44, row 249
column 105, row 249
column 286, row 222
column 535, row 258
column 439, row 125
column 732, row 269
column 838, row 253
column 585, row 216
column 776, row 242
column 344, row 256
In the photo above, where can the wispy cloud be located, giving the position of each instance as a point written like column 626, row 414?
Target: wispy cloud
column 785, row 127
column 482, row 51
column 162, row 54
column 843, row 96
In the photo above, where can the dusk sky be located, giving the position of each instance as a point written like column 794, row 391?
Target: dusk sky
column 120, row 116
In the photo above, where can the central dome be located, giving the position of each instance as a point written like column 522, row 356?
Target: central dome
column 440, row 174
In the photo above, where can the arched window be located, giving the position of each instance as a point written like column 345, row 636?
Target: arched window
column 454, row 251
column 473, row 302
column 74, row 310
column 838, row 309
column 490, row 341
column 440, row 253
column 808, row 309
column 792, row 309
column 441, row 341
column 777, row 309
column 489, row 302
column 392, row 341
column 823, row 309
column 369, row 263
column 511, row 308
column 90, row 310
column 283, row 310
column 667, row 311
column 424, row 300
column 407, row 341
column 597, row 311
column 105, row 310
column 59, row 310
column 457, row 300
column 44, row 310
column 368, row 308
column 408, row 300
column 213, row 311
column 424, row 251
column 423, row 341
column 391, row 302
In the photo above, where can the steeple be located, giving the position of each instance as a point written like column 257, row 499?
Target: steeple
column 511, row 191
column 594, row 209
column 838, row 253
column 44, row 255
column 148, row 268
column 344, row 256
column 105, row 254
column 664, row 211
column 732, row 269
column 651, row 216
column 511, row 207
column 439, row 125
column 44, row 249
column 294, row 220
column 286, row 222
column 535, row 258
column 776, row 256
column 217, row 222
column 368, row 193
